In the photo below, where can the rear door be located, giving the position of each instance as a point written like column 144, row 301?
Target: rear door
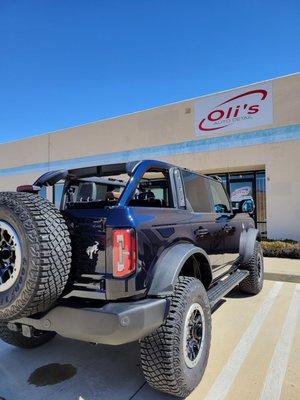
column 206, row 226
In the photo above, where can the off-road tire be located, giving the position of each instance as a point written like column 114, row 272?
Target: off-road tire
column 18, row 340
column 254, row 282
column 162, row 357
column 45, row 254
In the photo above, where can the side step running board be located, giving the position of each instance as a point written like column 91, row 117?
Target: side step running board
column 224, row 286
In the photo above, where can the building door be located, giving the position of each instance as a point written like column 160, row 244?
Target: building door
column 242, row 187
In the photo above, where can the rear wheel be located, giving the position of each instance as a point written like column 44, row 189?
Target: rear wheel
column 254, row 281
column 174, row 357
column 16, row 338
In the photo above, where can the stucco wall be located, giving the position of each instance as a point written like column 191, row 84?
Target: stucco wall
column 162, row 125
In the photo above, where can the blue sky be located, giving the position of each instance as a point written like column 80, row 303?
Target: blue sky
column 69, row 62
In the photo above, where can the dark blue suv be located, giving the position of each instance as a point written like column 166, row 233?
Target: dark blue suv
column 138, row 251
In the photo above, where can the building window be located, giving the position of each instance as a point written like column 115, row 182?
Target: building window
column 261, row 213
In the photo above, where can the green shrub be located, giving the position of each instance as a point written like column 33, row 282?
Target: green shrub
column 280, row 248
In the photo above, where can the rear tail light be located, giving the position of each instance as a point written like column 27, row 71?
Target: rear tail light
column 124, row 252
column 28, row 188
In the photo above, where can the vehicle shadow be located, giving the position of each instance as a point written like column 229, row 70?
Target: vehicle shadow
column 218, row 305
column 237, row 294
column 67, row 369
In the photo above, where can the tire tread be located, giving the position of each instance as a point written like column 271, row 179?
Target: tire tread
column 251, row 284
column 160, row 351
column 49, row 245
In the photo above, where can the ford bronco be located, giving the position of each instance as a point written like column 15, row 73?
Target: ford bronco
column 138, row 251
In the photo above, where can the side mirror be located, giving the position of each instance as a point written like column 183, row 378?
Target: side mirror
column 248, row 206
column 221, row 208
column 243, row 206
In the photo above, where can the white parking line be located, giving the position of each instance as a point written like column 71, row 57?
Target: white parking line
column 226, row 377
column 277, row 368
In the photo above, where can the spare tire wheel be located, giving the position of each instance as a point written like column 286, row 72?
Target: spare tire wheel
column 35, row 255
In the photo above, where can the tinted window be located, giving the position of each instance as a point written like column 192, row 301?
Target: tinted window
column 43, row 192
column 196, row 192
column 220, row 199
column 57, row 193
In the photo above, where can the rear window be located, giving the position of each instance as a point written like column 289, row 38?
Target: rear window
column 196, row 192
column 95, row 191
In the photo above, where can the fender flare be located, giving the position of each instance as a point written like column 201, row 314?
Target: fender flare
column 169, row 265
column 247, row 244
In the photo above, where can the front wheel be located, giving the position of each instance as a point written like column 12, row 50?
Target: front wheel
column 174, row 357
column 254, row 281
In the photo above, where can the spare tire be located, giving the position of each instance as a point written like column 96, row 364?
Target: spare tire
column 35, row 255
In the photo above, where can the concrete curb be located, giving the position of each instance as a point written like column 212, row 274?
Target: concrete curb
column 282, row 269
column 277, row 276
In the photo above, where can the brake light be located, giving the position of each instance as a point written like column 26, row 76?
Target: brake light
column 28, row 188
column 124, row 252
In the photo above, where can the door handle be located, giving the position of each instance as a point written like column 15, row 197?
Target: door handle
column 201, row 232
column 228, row 228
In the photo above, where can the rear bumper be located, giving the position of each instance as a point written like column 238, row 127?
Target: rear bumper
column 114, row 323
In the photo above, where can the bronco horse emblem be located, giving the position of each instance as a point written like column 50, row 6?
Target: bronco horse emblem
column 91, row 250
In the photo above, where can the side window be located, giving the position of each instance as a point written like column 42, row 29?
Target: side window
column 57, row 193
column 43, row 192
column 196, row 192
column 153, row 190
column 220, row 199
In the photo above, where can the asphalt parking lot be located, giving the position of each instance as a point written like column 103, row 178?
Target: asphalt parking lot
column 255, row 354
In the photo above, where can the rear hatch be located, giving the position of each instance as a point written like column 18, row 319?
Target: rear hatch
column 103, row 253
column 101, row 237
column 88, row 238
